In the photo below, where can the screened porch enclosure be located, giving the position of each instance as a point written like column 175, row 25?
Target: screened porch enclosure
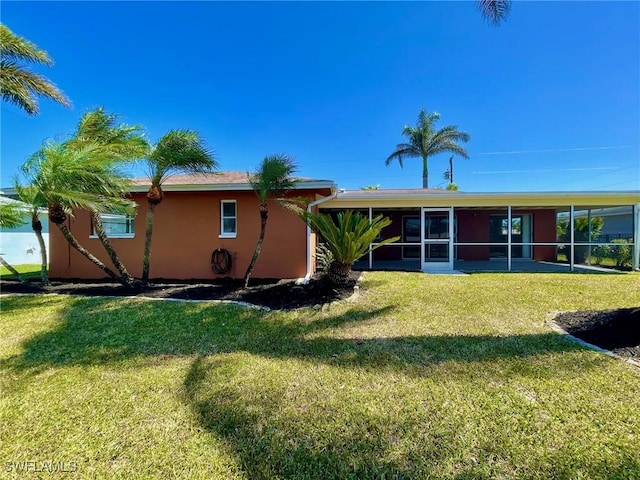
column 511, row 238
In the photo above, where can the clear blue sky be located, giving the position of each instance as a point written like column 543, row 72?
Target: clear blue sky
column 334, row 83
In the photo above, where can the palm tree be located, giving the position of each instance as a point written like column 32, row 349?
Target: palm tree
column 425, row 141
column 347, row 237
column 178, row 151
column 494, row 11
column 67, row 178
column 272, row 178
column 35, row 203
column 118, row 143
column 18, row 84
column 12, row 215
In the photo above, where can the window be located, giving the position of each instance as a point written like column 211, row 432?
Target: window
column 228, row 219
column 117, row 225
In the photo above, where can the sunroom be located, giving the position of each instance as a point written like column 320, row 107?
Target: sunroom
column 443, row 231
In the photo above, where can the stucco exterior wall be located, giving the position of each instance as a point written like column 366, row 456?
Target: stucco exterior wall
column 185, row 233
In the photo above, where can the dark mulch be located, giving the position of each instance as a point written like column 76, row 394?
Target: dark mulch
column 275, row 294
column 616, row 330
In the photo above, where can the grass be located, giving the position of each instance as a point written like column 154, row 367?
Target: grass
column 30, row 271
column 422, row 377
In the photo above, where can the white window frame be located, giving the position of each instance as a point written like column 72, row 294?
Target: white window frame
column 224, row 234
column 130, row 218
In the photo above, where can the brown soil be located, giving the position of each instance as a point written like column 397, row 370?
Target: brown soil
column 615, row 330
column 274, row 294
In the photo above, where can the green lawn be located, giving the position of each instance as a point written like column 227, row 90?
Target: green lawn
column 30, row 271
column 422, row 377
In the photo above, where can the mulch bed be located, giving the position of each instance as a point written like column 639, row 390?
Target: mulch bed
column 274, row 294
column 616, row 330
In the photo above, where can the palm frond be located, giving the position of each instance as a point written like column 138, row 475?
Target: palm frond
column 121, row 141
column 494, row 11
column 179, row 151
column 348, row 235
column 274, row 176
column 15, row 47
column 12, row 214
column 21, row 86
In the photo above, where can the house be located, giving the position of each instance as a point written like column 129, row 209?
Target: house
column 440, row 230
column 19, row 246
column 199, row 214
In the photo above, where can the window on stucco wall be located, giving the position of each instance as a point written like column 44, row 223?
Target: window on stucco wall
column 228, row 218
column 116, row 225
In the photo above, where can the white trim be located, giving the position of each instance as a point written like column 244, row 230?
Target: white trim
column 636, row 237
column 572, row 252
column 115, row 235
column 309, row 207
column 302, row 185
column 436, row 266
column 224, row 234
column 509, row 235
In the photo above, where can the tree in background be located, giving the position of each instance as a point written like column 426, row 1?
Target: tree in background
column 34, row 203
column 424, row 141
column 347, row 237
column 178, row 151
column 273, row 177
column 19, row 85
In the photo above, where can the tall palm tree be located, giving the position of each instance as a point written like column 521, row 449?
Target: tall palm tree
column 18, row 84
column 272, row 178
column 118, row 143
column 494, row 11
column 67, row 178
column 425, row 141
column 12, row 215
column 178, row 151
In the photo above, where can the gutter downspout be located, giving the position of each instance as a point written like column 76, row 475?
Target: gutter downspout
column 309, row 207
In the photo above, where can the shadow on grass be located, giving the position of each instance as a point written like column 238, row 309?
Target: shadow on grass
column 99, row 331
column 275, row 430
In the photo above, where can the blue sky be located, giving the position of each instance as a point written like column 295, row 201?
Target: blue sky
column 551, row 98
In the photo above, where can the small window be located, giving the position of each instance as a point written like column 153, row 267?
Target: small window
column 116, row 225
column 228, row 218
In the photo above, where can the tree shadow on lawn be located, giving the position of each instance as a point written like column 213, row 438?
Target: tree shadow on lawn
column 103, row 331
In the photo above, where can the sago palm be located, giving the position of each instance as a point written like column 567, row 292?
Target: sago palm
column 347, row 237
column 178, row 151
column 273, row 177
column 19, row 85
column 424, row 141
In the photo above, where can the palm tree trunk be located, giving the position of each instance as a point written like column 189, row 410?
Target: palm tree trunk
column 339, row 273
column 36, row 225
column 9, row 267
column 425, row 173
column 146, row 259
column 98, row 226
column 86, row 253
column 264, row 214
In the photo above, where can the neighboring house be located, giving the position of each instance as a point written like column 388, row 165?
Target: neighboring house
column 20, row 245
column 440, row 230
column 617, row 222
